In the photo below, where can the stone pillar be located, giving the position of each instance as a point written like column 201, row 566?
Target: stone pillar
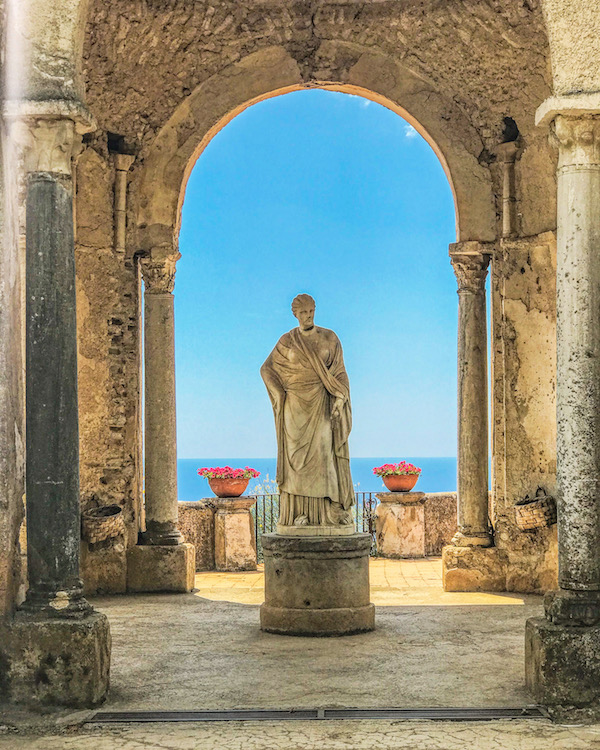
column 235, row 543
column 55, row 618
column 160, row 435
column 470, row 562
column 470, row 262
column 563, row 649
column 178, row 565
column 400, row 524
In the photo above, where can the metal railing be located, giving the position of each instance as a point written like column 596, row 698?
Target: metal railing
column 266, row 513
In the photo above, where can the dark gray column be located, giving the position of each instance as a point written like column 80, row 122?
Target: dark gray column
column 470, row 266
column 578, row 372
column 52, row 437
column 160, row 414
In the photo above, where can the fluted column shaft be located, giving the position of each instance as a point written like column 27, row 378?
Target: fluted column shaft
column 578, row 372
column 470, row 265
column 160, row 414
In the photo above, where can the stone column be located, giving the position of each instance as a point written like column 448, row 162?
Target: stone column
column 52, row 434
column 161, row 562
column 55, row 618
column 563, row 649
column 159, row 411
column 470, row 262
column 470, row 562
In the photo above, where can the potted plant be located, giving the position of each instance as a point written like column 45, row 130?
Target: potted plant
column 227, row 482
column 400, row 477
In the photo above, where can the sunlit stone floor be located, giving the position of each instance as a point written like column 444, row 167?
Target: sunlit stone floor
column 205, row 650
column 393, row 583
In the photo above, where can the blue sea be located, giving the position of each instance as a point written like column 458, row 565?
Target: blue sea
column 438, row 474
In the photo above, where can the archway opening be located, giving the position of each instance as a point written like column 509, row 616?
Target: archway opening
column 338, row 196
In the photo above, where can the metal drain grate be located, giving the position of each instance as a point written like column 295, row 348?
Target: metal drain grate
column 320, row 714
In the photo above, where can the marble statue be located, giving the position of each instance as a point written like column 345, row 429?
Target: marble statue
column 309, row 391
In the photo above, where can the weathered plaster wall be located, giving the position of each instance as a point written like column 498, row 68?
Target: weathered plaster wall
column 108, row 343
column 440, row 521
column 12, row 437
column 166, row 77
column 574, row 45
column 524, row 429
column 197, row 525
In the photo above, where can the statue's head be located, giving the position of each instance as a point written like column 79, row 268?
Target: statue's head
column 303, row 308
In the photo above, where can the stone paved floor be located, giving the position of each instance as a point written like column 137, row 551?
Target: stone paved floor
column 330, row 735
column 393, row 583
column 204, row 650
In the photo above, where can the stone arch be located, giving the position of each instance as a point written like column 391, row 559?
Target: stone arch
column 271, row 72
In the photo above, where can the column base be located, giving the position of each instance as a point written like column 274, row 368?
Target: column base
column 473, row 569
column 462, row 539
column 151, row 568
column 573, row 608
column 317, row 586
column 54, row 661
column 161, row 534
column 562, row 668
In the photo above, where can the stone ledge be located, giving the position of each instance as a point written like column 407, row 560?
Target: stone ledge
column 55, row 662
column 154, row 568
column 562, row 667
column 402, row 498
column 473, row 569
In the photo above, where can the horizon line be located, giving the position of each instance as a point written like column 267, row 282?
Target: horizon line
column 269, row 458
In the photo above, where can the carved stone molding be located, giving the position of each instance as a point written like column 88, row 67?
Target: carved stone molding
column 159, row 273
column 46, row 145
column 578, row 141
column 470, row 269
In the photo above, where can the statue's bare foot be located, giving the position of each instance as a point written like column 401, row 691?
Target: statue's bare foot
column 301, row 521
column 345, row 517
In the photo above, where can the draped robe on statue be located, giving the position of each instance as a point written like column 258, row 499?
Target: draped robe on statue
column 304, row 374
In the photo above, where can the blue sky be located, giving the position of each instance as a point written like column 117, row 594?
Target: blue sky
column 334, row 195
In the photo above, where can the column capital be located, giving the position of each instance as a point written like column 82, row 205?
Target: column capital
column 46, row 145
column 578, row 140
column 159, row 273
column 508, row 151
column 123, row 162
column 573, row 105
column 470, row 262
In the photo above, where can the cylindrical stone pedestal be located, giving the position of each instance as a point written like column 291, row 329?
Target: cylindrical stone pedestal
column 317, row 586
column 235, row 543
column 400, row 524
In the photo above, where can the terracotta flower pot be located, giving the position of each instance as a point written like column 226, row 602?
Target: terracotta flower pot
column 400, row 482
column 228, row 487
